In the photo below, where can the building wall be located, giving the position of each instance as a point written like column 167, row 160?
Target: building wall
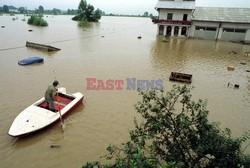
column 177, row 14
column 247, row 38
column 220, row 32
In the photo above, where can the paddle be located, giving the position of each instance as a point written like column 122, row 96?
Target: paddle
column 62, row 125
column 61, row 119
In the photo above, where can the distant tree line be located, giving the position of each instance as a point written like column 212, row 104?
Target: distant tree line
column 144, row 15
column 89, row 8
column 24, row 10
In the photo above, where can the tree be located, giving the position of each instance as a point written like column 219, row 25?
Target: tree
column 40, row 9
column 56, row 11
column 145, row 14
column 22, row 10
column 176, row 134
column 87, row 12
column 5, row 9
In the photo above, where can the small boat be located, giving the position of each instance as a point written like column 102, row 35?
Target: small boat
column 41, row 46
column 31, row 60
column 37, row 117
column 180, row 77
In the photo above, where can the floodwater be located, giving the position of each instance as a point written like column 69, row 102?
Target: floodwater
column 107, row 50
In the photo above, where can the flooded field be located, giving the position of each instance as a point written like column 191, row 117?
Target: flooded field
column 107, row 50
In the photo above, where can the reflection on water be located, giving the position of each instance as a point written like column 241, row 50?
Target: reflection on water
column 108, row 50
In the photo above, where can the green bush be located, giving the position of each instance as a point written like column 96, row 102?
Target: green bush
column 37, row 20
column 176, row 133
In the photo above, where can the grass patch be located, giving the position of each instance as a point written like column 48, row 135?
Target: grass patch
column 37, row 21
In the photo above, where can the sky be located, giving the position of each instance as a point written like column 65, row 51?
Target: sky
column 118, row 6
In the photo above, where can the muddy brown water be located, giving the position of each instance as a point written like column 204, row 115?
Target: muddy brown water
column 107, row 50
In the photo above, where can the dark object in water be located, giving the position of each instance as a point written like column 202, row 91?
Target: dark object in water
column 236, row 86
column 31, row 60
column 55, row 146
column 232, row 52
column 247, row 70
column 241, row 42
column 243, row 63
column 41, row 46
column 180, row 77
column 30, row 30
column 165, row 41
column 102, row 36
column 139, row 37
column 2, row 26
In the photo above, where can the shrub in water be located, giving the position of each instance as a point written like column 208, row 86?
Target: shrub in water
column 37, row 20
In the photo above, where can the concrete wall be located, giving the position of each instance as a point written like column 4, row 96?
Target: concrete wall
column 177, row 14
column 232, row 36
column 201, row 34
column 247, row 38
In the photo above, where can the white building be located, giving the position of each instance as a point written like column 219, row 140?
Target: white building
column 174, row 17
column 181, row 18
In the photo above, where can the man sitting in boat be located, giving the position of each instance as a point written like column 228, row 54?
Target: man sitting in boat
column 50, row 96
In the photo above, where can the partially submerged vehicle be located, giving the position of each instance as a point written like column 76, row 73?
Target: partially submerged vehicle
column 31, row 60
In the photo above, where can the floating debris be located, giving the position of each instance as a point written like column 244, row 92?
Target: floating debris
column 139, row 37
column 247, row 70
column 55, row 146
column 243, row 63
column 30, row 30
column 2, row 26
column 236, row 86
column 165, row 41
column 247, row 54
column 102, row 36
column 232, row 52
column 41, row 46
column 180, row 77
column 230, row 68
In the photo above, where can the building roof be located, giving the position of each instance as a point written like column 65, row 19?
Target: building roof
column 164, row 4
column 236, row 15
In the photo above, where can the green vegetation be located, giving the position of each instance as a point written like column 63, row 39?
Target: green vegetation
column 37, row 20
column 87, row 13
column 5, row 9
column 176, row 133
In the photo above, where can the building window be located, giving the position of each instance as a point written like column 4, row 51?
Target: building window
column 185, row 17
column 240, row 30
column 228, row 30
column 211, row 29
column 205, row 28
column 200, row 28
column 170, row 16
